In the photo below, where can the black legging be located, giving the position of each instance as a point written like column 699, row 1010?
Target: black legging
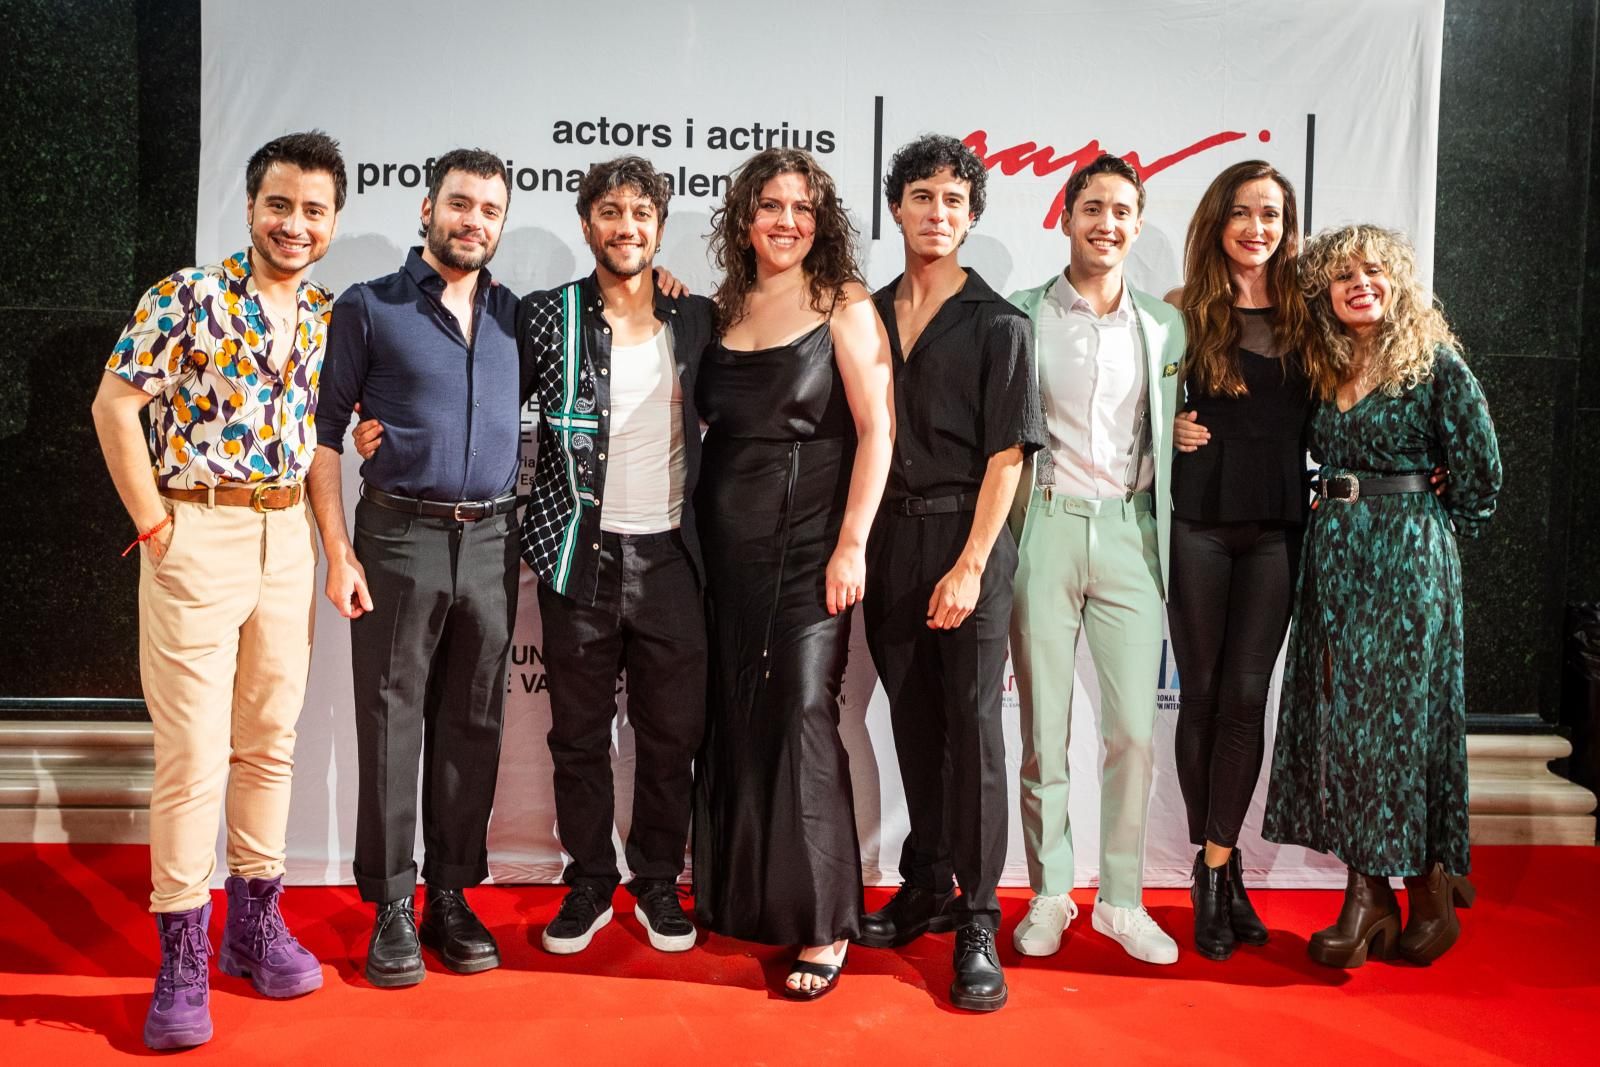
column 1232, row 584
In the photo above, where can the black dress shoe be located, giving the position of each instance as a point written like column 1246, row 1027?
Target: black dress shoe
column 449, row 928
column 979, row 985
column 1247, row 925
column 1210, row 895
column 394, row 958
column 910, row 913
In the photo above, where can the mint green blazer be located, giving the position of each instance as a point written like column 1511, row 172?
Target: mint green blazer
column 1161, row 326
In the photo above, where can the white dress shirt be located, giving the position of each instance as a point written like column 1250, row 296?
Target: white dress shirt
column 1094, row 382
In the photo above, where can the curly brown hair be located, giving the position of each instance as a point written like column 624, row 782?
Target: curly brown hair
column 1413, row 326
column 829, row 265
column 1208, row 297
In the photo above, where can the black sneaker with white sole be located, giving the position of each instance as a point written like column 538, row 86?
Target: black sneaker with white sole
column 660, row 910
column 582, row 913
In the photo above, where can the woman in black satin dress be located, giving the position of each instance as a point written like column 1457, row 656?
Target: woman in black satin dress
column 796, row 395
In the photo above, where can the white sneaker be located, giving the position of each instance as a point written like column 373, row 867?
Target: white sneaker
column 1136, row 932
column 1039, row 932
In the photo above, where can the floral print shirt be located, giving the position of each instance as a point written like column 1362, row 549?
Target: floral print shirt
column 230, row 405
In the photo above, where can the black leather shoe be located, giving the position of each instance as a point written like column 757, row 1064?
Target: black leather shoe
column 980, row 985
column 910, row 913
column 449, row 928
column 1247, row 925
column 1210, row 894
column 394, row 958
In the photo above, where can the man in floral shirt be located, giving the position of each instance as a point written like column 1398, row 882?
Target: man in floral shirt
column 227, row 357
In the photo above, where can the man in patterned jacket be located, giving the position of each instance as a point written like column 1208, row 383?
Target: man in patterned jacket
column 227, row 356
column 610, row 534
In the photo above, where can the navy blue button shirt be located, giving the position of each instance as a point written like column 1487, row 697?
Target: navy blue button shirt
column 451, row 424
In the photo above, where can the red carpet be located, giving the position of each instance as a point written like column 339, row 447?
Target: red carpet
column 77, row 959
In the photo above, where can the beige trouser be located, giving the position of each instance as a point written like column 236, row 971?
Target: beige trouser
column 224, row 645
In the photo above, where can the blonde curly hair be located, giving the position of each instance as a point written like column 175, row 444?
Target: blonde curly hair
column 1413, row 325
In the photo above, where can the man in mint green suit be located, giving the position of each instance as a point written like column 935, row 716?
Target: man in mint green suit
column 1092, row 528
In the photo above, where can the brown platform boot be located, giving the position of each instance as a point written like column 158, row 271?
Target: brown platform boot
column 1369, row 924
column 1431, row 923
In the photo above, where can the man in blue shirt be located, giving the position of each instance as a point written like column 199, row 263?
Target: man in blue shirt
column 430, row 583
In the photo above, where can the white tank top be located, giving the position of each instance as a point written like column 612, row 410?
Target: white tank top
column 644, row 474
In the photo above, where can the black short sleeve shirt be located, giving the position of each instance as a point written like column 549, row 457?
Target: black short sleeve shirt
column 966, row 391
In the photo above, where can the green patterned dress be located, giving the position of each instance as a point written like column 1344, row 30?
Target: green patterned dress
column 1370, row 761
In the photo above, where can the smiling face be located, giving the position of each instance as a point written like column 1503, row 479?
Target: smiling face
column 1253, row 229
column 785, row 224
column 934, row 213
column 623, row 231
column 463, row 225
column 1359, row 290
column 291, row 220
column 1102, row 225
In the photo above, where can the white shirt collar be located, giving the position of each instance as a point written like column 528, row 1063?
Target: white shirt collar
column 1073, row 303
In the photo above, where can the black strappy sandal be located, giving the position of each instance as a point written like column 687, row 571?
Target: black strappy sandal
column 827, row 971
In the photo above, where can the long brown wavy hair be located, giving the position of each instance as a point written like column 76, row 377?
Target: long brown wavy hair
column 828, row 266
column 1413, row 325
column 1208, row 293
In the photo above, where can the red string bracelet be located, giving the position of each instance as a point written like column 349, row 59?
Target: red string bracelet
column 142, row 538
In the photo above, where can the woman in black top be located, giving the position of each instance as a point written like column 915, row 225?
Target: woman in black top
column 1239, row 506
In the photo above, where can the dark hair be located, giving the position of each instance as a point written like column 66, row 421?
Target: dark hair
column 1208, row 297
column 624, row 172
column 474, row 161
column 927, row 156
column 829, row 265
column 313, row 150
column 1106, row 164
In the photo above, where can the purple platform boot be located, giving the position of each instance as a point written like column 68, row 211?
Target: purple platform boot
column 180, row 1011
column 258, row 946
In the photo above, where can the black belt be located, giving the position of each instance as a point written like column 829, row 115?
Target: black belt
column 933, row 505
column 465, row 511
column 1347, row 488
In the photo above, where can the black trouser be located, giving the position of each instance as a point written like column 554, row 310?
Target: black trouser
column 1231, row 589
column 944, row 705
column 429, row 664
column 648, row 620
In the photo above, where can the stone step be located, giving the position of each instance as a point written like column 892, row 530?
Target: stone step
column 78, row 787
column 56, row 826
column 1528, row 796
column 75, row 735
column 1517, row 746
column 1515, row 799
column 1532, row 829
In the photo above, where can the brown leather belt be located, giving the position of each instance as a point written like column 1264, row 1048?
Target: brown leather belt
column 258, row 496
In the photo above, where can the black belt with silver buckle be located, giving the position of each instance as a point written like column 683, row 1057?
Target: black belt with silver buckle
column 464, row 511
column 914, row 506
column 1348, row 488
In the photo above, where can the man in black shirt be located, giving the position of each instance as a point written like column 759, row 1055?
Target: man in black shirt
column 430, row 582
column 941, row 561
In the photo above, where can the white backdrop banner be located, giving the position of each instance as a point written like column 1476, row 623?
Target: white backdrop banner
column 1343, row 97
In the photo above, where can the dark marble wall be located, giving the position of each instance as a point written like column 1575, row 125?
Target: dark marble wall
column 102, row 162
column 1513, row 251
column 112, row 134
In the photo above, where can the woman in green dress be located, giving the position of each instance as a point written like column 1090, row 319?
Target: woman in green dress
column 1370, row 762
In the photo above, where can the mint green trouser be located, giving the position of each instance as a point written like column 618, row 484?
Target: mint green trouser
column 1087, row 565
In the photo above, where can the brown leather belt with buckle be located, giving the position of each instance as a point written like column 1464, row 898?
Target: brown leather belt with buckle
column 257, row 496
column 914, row 506
column 1348, row 488
column 462, row 511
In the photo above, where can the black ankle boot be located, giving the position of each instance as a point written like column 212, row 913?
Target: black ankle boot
column 1247, row 925
column 1213, row 936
